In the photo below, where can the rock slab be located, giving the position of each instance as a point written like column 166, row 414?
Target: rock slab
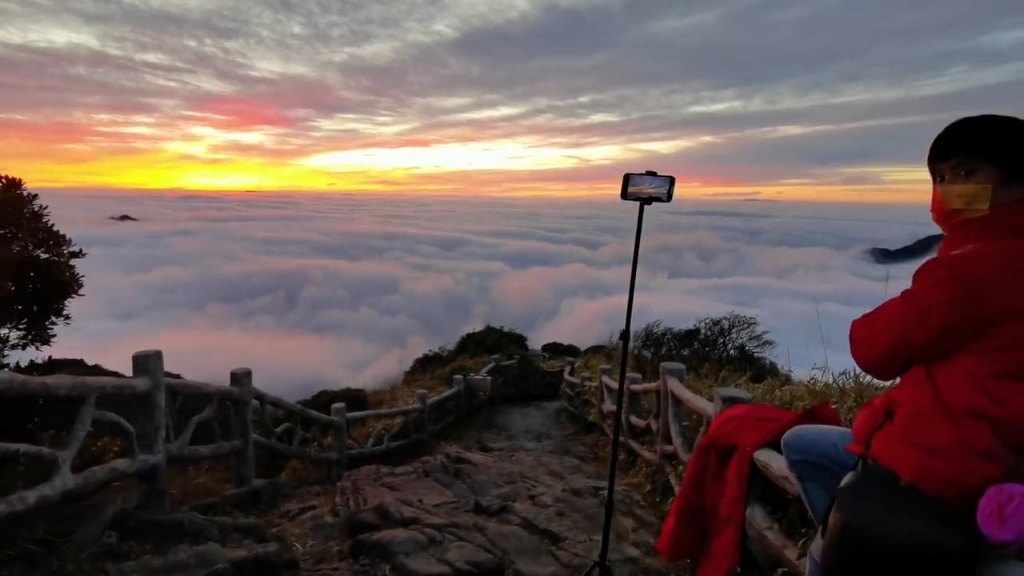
column 506, row 510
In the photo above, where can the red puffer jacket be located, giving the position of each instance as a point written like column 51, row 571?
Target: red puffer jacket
column 954, row 424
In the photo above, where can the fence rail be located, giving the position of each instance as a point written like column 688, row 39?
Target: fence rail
column 673, row 402
column 151, row 441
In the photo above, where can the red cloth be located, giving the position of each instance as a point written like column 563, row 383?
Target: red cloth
column 706, row 520
column 954, row 424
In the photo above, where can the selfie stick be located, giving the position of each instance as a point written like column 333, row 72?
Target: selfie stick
column 602, row 567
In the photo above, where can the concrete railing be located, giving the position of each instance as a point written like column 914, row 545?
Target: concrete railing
column 151, row 442
column 673, row 402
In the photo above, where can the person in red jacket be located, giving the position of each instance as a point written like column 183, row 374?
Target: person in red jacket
column 954, row 423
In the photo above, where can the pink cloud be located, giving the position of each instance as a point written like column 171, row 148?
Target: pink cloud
column 239, row 112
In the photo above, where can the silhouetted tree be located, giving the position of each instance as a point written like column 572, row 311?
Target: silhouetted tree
column 38, row 275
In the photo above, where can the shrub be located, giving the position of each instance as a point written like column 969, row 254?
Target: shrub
column 429, row 361
column 734, row 341
column 354, row 399
column 491, row 340
column 562, row 350
column 486, row 342
column 598, row 348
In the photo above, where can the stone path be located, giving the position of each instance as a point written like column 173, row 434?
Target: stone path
column 515, row 497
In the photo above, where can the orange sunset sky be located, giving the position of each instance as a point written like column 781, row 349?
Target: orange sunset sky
column 832, row 101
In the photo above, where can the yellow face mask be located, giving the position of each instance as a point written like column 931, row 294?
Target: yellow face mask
column 953, row 202
column 972, row 197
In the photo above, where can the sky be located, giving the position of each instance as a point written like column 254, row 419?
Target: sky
column 325, row 291
column 828, row 100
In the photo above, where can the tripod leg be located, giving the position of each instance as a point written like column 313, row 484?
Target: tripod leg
column 602, row 566
column 599, row 568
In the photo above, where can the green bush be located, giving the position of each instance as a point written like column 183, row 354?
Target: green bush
column 486, row 342
column 491, row 340
column 734, row 341
column 430, row 361
column 561, row 350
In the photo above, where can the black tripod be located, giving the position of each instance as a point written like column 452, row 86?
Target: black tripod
column 601, row 565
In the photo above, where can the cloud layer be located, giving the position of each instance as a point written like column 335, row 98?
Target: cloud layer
column 818, row 96
column 314, row 291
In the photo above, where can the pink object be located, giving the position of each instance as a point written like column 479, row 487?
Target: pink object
column 1001, row 515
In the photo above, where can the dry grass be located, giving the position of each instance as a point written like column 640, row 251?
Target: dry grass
column 190, row 483
column 403, row 393
column 607, row 356
column 846, row 391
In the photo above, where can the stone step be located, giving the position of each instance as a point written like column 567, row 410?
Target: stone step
column 267, row 559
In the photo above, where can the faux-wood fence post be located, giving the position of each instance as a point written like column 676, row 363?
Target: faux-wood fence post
column 478, row 389
column 459, row 383
column 631, row 401
column 241, row 427
column 149, row 364
column 340, row 412
column 602, row 371
column 423, row 398
column 668, row 416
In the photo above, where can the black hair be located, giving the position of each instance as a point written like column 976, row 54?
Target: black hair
column 991, row 138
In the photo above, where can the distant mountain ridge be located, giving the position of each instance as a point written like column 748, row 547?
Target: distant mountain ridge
column 914, row 251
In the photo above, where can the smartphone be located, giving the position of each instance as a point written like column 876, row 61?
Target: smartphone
column 647, row 187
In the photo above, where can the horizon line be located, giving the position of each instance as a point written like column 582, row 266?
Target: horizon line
column 753, row 196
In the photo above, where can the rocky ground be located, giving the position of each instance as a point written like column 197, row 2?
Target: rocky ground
column 514, row 495
column 510, row 494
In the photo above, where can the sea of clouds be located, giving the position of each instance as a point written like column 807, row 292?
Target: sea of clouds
column 315, row 291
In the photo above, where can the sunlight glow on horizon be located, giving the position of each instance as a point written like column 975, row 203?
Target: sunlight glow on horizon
column 511, row 177
column 126, row 152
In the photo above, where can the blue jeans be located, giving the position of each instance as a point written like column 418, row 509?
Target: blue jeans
column 817, row 456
